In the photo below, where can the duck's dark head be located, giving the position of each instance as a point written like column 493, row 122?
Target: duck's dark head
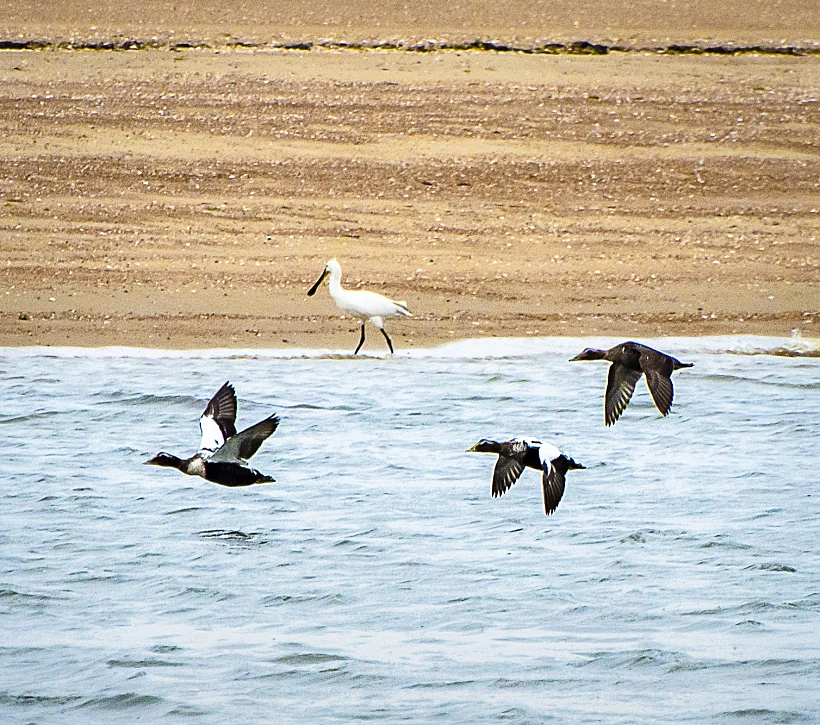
column 484, row 446
column 165, row 459
column 590, row 354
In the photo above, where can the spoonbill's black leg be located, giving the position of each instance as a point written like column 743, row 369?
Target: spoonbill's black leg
column 361, row 342
column 389, row 343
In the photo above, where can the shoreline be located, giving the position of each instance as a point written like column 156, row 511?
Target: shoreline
column 350, row 23
column 541, row 46
column 791, row 346
column 339, row 333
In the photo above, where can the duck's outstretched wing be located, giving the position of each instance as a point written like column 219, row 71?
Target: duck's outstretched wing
column 661, row 389
column 619, row 388
column 553, row 482
column 242, row 446
column 217, row 421
column 509, row 466
column 554, row 478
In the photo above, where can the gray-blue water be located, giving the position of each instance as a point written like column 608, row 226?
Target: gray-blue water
column 678, row 581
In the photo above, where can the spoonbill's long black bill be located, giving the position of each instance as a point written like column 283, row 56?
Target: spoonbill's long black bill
column 312, row 290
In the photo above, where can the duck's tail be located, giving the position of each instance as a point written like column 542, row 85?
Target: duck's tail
column 262, row 478
column 572, row 465
column 679, row 365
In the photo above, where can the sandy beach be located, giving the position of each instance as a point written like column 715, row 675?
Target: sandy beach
column 187, row 194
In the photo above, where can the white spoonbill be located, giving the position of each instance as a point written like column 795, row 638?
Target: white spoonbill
column 363, row 305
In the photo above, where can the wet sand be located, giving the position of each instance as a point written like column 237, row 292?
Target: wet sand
column 188, row 198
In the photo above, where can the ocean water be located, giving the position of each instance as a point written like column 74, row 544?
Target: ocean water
column 377, row 580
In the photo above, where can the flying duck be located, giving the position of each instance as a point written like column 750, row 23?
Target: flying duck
column 223, row 453
column 363, row 305
column 519, row 453
column 629, row 361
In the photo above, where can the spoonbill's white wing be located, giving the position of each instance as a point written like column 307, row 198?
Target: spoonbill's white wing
column 368, row 304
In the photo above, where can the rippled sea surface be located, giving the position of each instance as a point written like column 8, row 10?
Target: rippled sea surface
column 678, row 581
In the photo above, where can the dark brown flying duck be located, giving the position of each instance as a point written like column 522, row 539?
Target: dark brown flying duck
column 629, row 361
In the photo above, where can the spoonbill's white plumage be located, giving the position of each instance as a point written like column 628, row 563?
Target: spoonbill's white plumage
column 363, row 305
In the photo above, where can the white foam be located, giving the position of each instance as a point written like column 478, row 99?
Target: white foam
column 516, row 347
column 479, row 348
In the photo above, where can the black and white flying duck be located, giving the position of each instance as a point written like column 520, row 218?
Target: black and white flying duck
column 223, row 453
column 519, row 453
column 629, row 361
